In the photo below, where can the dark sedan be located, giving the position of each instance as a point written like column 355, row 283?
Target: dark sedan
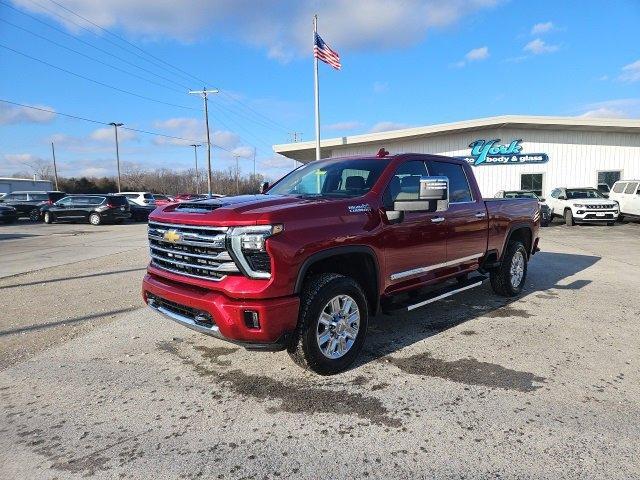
column 8, row 214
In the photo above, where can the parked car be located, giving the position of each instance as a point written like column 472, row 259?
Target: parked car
column 627, row 194
column 582, row 205
column 303, row 266
column 138, row 212
column 162, row 199
column 141, row 198
column 30, row 203
column 545, row 211
column 8, row 214
column 95, row 209
column 604, row 189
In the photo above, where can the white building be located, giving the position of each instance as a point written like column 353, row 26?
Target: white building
column 509, row 152
column 9, row 184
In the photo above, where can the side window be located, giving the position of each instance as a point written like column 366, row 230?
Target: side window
column 555, row 193
column 631, row 187
column 459, row 190
column 65, row 201
column 19, row 197
column 405, row 183
column 95, row 200
column 619, row 187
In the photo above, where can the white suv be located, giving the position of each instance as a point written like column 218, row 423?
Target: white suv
column 144, row 199
column 582, row 205
column 627, row 194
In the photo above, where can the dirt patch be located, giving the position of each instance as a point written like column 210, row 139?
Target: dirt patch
column 292, row 397
column 213, row 354
column 469, row 371
column 468, row 332
column 508, row 312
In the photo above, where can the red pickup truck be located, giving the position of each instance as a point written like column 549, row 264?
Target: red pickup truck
column 305, row 264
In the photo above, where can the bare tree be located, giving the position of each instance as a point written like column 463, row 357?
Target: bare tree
column 42, row 169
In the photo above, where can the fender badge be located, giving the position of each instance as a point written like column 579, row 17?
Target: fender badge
column 363, row 207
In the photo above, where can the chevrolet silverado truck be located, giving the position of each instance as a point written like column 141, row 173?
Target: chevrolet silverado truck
column 305, row 264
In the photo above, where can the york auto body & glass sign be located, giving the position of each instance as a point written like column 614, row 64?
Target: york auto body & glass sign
column 490, row 152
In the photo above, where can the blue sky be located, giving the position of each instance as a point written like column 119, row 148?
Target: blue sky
column 405, row 63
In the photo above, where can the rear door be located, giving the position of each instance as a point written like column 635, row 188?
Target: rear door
column 632, row 198
column 465, row 219
column 415, row 247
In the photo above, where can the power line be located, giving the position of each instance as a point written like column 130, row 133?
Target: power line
column 127, row 42
column 237, row 100
column 96, row 81
column 90, row 57
column 59, row 30
column 146, row 132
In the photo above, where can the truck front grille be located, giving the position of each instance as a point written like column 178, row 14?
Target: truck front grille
column 190, row 250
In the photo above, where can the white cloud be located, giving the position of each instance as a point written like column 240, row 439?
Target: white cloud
column 631, row 73
column 190, row 129
column 244, row 152
column 481, row 53
column 93, row 172
column 341, row 126
column 380, row 87
column 107, row 134
column 19, row 159
column 11, row 114
column 386, row 126
column 540, row 28
column 621, row 108
column 281, row 28
column 538, row 47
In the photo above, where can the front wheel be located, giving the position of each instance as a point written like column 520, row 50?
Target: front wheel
column 34, row 215
column 568, row 218
column 94, row 219
column 508, row 279
column 48, row 217
column 332, row 325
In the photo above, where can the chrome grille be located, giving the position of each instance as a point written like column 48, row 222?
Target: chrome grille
column 600, row 207
column 191, row 250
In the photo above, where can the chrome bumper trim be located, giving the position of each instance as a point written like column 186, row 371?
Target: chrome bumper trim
column 450, row 263
column 188, row 322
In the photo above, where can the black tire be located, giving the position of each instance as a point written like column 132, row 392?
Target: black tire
column 319, row 290
column 611, row 224
column 49, row 217
column 621, row 218
column 501, row 276
column 34, row 215
column 568, row 218
column 95, row 219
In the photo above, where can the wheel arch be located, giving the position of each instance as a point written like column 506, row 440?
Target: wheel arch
column 357, row 261
column 522, row 232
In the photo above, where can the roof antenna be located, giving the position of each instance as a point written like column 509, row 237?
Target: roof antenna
column 382, row 153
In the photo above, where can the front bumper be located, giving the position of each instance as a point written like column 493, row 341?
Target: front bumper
column 214, row 314
column 585, row 215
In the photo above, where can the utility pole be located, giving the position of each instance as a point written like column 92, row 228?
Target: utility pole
column 254, row 162
column 55, row 168
column 204, row 92
column 195, row 151
column 115, row 127
column 237, row 174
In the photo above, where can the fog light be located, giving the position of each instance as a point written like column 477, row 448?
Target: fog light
column 580, row 212
column 251, row 319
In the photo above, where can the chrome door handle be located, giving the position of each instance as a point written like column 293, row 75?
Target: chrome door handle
column 481, row 215
column 437, row 220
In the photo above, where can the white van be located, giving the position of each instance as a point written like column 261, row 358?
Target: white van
column 144, row 199
column 627, row 194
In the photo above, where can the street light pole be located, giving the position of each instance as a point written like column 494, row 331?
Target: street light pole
column 204, row 92
column 55, row 168
column 115, row 127
column 237, row 174
column 195, row 151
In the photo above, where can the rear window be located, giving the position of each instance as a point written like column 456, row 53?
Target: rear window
column 619, row 187
column 119, row 200
column 130, row 195
column 41, row 197
column 54, row 197
column 148, row 196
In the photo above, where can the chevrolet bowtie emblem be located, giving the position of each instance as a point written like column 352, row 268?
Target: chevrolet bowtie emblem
column 172, row 236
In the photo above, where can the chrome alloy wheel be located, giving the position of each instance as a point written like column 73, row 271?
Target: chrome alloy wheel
column 517, row 269
column 338, row 326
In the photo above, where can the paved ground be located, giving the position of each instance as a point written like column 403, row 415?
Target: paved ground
column 545, row 386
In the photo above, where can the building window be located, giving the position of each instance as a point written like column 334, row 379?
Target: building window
column 531, row 181
column 608, row 178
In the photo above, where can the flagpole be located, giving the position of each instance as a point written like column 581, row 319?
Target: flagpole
column 316, row 89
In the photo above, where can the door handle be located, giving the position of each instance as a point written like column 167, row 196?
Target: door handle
column 437, row 220
column 481, row 215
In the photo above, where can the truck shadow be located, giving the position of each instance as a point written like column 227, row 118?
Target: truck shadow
column 388, row 334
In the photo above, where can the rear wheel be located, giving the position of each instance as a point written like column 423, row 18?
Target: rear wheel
column 94, row 219
column 332, row 325
column 48, row 217
column 34, row 215
column 508, row 279
column 568, row 218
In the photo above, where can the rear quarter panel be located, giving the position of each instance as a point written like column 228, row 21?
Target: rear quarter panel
column 510, row 213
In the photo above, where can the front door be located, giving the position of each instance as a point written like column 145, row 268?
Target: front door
column 62, row 208
column 632, row 198
column 466, row 218
column 415, row 246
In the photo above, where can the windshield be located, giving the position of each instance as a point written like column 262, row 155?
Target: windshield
column 583, row 193
column 331, row 178
column 520, row 195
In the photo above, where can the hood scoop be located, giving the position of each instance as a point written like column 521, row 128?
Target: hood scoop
column 196, row 207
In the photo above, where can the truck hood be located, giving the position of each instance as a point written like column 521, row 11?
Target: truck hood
column 239, row 210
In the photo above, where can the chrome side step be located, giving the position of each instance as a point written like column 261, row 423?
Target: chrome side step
column 444, row 295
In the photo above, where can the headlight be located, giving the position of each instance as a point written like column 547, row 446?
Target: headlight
column 246, row 242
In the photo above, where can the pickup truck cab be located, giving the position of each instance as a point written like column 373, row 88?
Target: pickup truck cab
column 627, row 194
column 582, row 205
column 304, row 265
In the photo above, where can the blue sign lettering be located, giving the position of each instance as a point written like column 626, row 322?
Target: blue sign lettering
column 490, row 152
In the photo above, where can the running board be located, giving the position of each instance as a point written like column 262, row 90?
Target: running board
column 431, row 297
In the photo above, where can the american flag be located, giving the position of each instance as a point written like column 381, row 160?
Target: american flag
column 323, row 52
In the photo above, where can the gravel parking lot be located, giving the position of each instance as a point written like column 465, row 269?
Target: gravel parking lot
column 544, row 386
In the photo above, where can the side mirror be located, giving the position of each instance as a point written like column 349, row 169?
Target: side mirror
column 433, row 196
column 542, row 199
column 264, row 186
